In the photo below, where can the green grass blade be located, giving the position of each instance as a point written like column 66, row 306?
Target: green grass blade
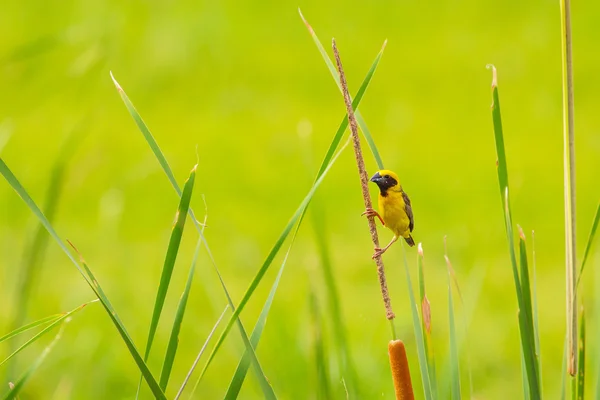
column 167, row 169
column 581, row 358
column 536, row 327
column 36, row 249
column 170, row 258
column 240, row 373
column 334, row 74
column 298, row 215
column 147, row 135
column 32, row 325
column 525, row 317
column 426, row 323
column 87, row 275
column 268, row 261
column 44, row 331
column 454, row 362
column 321, row 364
column 418, row 334
column 527, row 301
column 174, row 338
column 589, row 243
column 346, row 366
column 210, row 335
column 563, row 383
column 16, row 388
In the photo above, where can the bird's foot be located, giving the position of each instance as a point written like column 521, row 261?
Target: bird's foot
column 369, row 212
column 378, row 252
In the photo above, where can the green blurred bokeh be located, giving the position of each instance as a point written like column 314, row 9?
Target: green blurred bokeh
column 244, row 83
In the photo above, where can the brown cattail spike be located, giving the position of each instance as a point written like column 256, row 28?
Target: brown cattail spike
column 400, row 370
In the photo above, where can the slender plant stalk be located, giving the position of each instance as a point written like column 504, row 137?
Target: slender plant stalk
column 364, row 182
column 569, row 184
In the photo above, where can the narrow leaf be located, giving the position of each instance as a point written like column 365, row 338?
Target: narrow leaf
column 167, row 169
column 210, row 335
column 581, row 358
column 171, row 257
column 29, row 326
column 16, row 388
column 426, row 322
column 454, row 362
column 44, row 331
column 87, row 275
column 525, row 318
column 263, row 269
column 589, row 243
column 418, row 334
column 359, row 119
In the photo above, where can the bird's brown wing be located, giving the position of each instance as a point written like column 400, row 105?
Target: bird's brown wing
column 409, row 212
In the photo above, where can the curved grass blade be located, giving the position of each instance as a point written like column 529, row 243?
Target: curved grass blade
column 170, row 258
column 426, row 323
column 35, row 250
column 87, row 275
column 419, row 339
column 16, row 388
column 525, row 317
column 189, row 374
column 174, row 338
column 334, row 74
column 24, row 328
column 167, row 169
column 346, row 366
column 57, row 321
column 536, row 328
column 268, row 261
column 240, row 373
column 589, row 243
column 581, row 358
column 321, row 364
column 454, row 363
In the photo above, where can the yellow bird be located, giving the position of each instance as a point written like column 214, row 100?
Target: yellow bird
column 395, row 210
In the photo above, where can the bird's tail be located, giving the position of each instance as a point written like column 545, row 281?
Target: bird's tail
column 410, row 241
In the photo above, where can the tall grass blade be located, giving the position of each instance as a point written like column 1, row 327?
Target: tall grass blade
column 454, row 362
column 32, row 325
column 174, row 338
column 87, row 275
column 569, row 183
column 210, row 335
column 334, row 74
column 44, row 331
column 418, row 334
column 36, row 250
column 525, row 317
column 328, row 161
column 170, row 258
column 16, row 388
column 527, row 300
column 240, row 373
column 346, row 366
column 268, row 261
column 536, row 327
column 581, row 358
column 321, row 364
column 167, row 169
column 426, row 322
column 589, row 243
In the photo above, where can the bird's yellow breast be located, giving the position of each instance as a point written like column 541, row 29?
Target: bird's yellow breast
column 393, row 211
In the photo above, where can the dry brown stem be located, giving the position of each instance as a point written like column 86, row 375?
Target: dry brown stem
column 364, row 183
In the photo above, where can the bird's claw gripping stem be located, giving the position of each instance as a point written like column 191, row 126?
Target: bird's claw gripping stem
column 369, row 212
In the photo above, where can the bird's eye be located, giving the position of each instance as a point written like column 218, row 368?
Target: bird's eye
column 387, row 177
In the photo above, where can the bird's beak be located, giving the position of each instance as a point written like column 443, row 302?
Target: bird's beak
column 376, row 178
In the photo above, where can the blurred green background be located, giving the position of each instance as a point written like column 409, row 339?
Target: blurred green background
column 244, row 83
